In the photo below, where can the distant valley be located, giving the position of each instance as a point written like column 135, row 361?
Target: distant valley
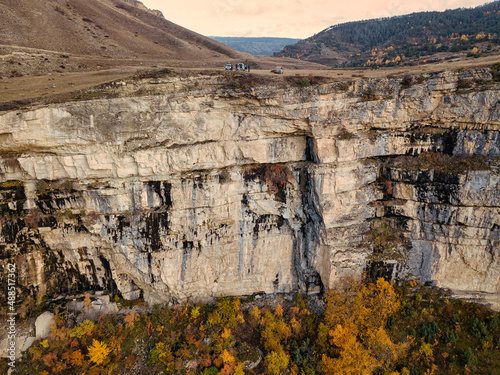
column 264, row 46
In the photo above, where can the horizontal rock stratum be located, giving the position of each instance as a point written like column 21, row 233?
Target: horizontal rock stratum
column 185, row 188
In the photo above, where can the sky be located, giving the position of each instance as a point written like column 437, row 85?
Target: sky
column 292, row 18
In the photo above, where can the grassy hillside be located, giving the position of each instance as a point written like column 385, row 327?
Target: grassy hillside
column 396, row 40
column 37, row 32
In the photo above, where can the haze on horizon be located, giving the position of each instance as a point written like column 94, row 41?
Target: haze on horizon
column 292, row 19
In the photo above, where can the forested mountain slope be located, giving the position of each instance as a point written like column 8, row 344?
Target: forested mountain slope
column 391, row 41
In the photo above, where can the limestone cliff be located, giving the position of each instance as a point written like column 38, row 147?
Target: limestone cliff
column 181, row 188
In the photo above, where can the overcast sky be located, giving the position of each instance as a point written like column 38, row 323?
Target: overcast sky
column 292, row 18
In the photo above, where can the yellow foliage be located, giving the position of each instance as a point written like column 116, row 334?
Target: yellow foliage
column 323, row 332
column 368, row 305
column 339, row 335
column 226, row 333
column 382, row 347
column 255, row 313
column 270, row 339
column 227, row 313
column 98, row 351
column 195, row 312
column 227, row 357
column 36, row 352
column 239, row 369
column 83, row 329
column 354, row 360
column 44, row 344
column 275, row 361
column 426, row 350
column 274, row 332
column 475, row 50
column 161, row 353
column 296, row 326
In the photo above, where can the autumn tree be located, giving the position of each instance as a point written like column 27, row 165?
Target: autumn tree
column 98, row 351
column 275, row 331
column 227, row 313
column 276, row 361
column 355, row 320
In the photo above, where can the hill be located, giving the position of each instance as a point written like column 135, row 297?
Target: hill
column 256, row 46
column 98, row 29
column 415, row 38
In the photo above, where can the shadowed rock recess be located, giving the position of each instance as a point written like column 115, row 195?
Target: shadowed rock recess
column 182, row 188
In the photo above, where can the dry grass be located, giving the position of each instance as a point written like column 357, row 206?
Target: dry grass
column 27, row 88
column 24, row 90
column 73, row 45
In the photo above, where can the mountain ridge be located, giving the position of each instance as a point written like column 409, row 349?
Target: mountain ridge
column 412, row 37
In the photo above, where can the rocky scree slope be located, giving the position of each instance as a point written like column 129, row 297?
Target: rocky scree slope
column 182, row 188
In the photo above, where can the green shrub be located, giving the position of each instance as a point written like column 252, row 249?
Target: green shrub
column 368, row 94
column 494, row 322
column 463, row 84
column 343, row 86
column 449, row 337
column 468, row 358
column 302, row 83
column 479, row 330
column 210, row 371
column 344, row 134
column 495, row 72
column 406, row 82
column 429, row 331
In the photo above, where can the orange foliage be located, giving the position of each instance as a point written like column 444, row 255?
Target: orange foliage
column 226, row 334
column 130, row 320
column 355, row 317
column 74, row 357
column 87, row 301
column 354, row 359
column 279, row 311
column 50, row 359
column 340, row 336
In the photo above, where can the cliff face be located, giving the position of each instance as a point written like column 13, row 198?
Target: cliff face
column 193, row 190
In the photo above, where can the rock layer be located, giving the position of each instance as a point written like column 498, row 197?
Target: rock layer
column 183, row 188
